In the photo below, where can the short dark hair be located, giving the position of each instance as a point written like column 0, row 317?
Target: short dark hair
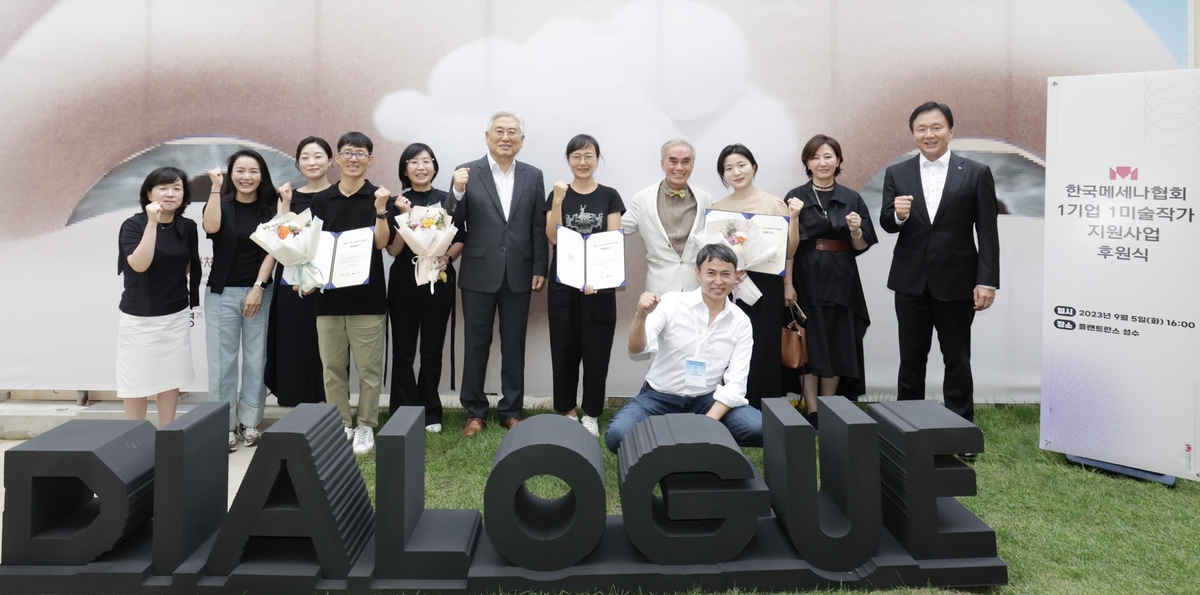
column 811, row 147
column 320, row 142
column 580, row 141
column 166, row 175
column 735, row 149
column 265, row 196
column 356, row 139
column 929, row 106
column 720, row 252
column 411, row 151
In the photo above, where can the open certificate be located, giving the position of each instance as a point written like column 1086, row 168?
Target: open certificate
column 596, row 259
column 343, row 259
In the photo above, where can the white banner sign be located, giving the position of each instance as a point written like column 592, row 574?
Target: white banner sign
column 1120, row 348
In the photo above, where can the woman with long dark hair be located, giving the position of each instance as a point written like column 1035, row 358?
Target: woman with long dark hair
column 239, row 290
column 293, row 372
column 160, row 260
column 737, row 168
column 581, row 322
column 415, row 311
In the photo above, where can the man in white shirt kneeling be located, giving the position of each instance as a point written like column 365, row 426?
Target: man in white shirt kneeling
column 698, row 338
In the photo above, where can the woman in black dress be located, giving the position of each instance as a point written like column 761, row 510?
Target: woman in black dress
column 737, row 168
column 293, row 361
column 582, row 322
column 413, row 309
column 835, row 227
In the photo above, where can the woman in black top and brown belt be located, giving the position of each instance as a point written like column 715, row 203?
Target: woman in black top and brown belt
column 160, row 260
column 835, row 227
column 413, row 309
column 294, row 373
column 239, row 290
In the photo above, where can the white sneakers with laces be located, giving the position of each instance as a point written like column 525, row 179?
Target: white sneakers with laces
column 349, row 434
column 434, row 428
column 364, row 440
column 591, row 424
column 251, row 436
column 233, row 440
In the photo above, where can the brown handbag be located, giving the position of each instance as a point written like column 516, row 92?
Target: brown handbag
column 794, row 352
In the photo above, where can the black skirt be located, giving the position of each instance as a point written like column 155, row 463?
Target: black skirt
column 294, row 371
column 766, row 316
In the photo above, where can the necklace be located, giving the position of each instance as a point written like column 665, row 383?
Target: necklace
column 823, row 188
column 167, row 225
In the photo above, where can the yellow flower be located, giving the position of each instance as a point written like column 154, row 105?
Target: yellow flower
column 442, row 276
column 427, row 222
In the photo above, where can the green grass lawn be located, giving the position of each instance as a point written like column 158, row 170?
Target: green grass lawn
column 1060, row 527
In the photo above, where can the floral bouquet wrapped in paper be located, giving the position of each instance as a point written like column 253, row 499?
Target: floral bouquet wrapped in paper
column 428, row 231
column 292, row 239
column 740, row 233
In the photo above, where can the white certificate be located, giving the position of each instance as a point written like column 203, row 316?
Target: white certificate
column 773, row 230
column 596, row 259
column 605, row 259
column 351, row 257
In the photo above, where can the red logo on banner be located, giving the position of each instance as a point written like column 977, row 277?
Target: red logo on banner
column 1187, row 448
column 1122, row 172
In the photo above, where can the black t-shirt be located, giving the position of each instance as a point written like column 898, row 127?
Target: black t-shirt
column 586, row 213
column 163, row 288
column 344, row 213
column 248, row 256
column 433, row 197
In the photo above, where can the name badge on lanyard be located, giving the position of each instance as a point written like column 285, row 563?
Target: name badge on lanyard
column 695, row 373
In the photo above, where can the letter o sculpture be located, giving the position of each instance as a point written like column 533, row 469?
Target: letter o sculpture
column 534, row 532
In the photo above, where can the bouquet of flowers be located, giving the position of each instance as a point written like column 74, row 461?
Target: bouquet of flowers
column 742, row 235
column 428, row 231
column 293, row 238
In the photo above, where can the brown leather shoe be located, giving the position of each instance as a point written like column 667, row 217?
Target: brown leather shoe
column 510, row 422
column 474, row 426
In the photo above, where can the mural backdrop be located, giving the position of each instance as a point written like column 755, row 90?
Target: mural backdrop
column 97, row 94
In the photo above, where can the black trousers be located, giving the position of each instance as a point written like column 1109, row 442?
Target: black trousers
column 581, row 330
column 918, row 316
column 415, row 312
column 479, row 315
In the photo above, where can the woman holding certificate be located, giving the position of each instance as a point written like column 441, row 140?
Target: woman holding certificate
column 582, row 318
column 737, row 168
column 293, row 370
column 419, row 309
column 160, row 261
column 835, row 227
column 239, row 290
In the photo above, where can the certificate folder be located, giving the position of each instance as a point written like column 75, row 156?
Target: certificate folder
column 596, row 259
column 343, row 259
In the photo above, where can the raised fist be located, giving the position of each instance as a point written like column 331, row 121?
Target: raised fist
column 460, row 179
column 153, row 210
column 903, row 206
column 381, row 197
column 647, row 303
column 560, row 191
column 216, row 177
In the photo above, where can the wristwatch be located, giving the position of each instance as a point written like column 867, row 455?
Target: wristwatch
column 382, row 215
column 261, row 285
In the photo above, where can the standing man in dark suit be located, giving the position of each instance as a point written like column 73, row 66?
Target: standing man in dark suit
column 504, row 259
column 939, row 202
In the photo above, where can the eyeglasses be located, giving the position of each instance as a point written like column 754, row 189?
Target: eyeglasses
column 582, row 158
column 421, row 162
column 355, row 156
column 510, row 133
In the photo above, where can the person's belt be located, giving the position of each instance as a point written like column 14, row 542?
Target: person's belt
column 832, row 245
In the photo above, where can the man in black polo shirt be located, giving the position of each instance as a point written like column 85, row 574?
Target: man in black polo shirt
column 354, row 317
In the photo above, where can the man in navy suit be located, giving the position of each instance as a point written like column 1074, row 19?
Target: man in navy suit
column 504, row 259
column 939, row 202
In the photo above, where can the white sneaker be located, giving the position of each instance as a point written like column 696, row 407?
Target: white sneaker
column 233, row 440
column 349, row 434
column 591, row 424
column 251, row 436
column 364, row 440
column 434, row 428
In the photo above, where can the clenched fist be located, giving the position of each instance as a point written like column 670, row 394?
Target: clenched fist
column 461, row 175
column 382, row 196
column 794, row 206
column 646, row 304
column 216, row 177
column 853, row 221
column 903, row 206
column 153, row 210
column 560, row 191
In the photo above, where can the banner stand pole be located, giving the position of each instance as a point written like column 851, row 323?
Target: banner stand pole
column 1143, row 475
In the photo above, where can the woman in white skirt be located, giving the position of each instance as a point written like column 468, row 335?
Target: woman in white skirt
column 160, row 260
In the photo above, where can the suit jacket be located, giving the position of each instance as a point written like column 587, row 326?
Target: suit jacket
column 939, row 251
column 497, row 249
column 666, row 270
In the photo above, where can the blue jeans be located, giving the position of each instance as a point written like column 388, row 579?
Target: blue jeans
column 744, row 423
column 225, row 330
